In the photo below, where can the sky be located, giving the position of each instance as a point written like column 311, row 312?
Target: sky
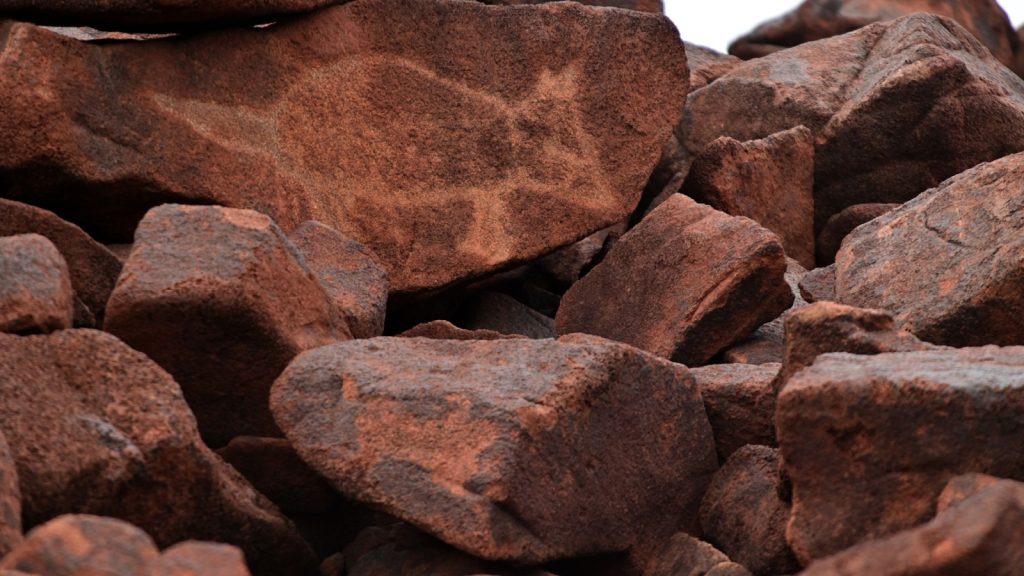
column 715, row 23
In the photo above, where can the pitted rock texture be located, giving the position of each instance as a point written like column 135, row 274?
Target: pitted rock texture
column 869, row 442
column 35, row 286
column 97, row 428
column 949, row 264
column 895, row 108
column 685, row 283
column 450, row 138
column 840, row 225
column 223, row 301
column 518, row 450
column 10, row 500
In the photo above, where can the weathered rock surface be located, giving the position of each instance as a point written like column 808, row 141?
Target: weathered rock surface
column 743, row 516
column 707, row 65
column 684, row 554
column 869, row 441
column 817, row 19
column 961, row 488
column 567, row 265
column 684, row 284
column 895, row 107
column 770, row 181
column 840, row 225
column 222, row 300
column 642, row 5
column 518, row 450
column 479, row 137
column 10, row 500
column 767, row 345
column 35, row 286
column 984, row 534
column 199, row 559
column 740, row 402
column 819, row 285
column 948, row 264
column 352, row 276
column 98, row 428
column 497, row 312
column 445, row 330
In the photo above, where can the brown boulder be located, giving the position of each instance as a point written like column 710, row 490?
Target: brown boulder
column 767, row 345
column 684, row 284
column 496, row 312
column 352, row 276
column 10, row 500
column 840, row 225
column 707, row 65
column 567, row 265
column 35, row 287
column 642, row 5
column 478, row 137
column 223, row 301
column 961, row 488
column 740, row 402
column 199, row 559
column 743, row 516
column 946, row 265
column 819, row 285
column 684, row 555
column 517, row 450
column 93, row 268
column 98, row 428
column 770, row 181
column 445, row 330
column 869, row 441
column 83, row 545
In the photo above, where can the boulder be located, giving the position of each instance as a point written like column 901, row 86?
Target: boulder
column 740, row 402
column 961, row 488
column 513, row 450
column 707, row 65
column 445, row 330
column 10, row 500
column 840, row 225
column 199, row 559
column 964, row 241
column 642, row 5
column 477, row 138
column 869, row 442
column 35, row 286
column 685, row 283
column 685, row 555
column 497, row 312
column 97, row 428
column 767, row 345
column 223, row 301
column 567, row 265
column 819, row 285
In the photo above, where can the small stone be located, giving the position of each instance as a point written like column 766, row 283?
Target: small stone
column 35, row 286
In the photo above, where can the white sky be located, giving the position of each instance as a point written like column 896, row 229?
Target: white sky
column 715, row 23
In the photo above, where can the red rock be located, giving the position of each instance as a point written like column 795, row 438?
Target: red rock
column 982, row 535
column 685, row 283
column 83, row 545
column 770, row 181
column 684, row 554
column 817, row 19
column 517, row 450
column 35, row 287
column 352, row 275
column 199, row 559
column 98, row 428
column 569, row 264
column 500, row 313
column 895, row 108
column 93, row 268
column 767, row 345
column 642, row 5
column 10, row 500
column 445, row 330
column 743, row 516
column 740, row 402
column 819, row 285
column 706, row 65
column 478, row 138
column 840, row 225
column 946, row 265
column 961, row 488
column 869, row 441
column 222, row 300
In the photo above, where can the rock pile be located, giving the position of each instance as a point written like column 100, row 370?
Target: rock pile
column 509, row 287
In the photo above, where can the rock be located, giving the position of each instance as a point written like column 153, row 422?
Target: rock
column 10, row 500
column 961, row 488
column 35, row 286
column 143, row 15
column 686, row 555
column 445, row 330
column 500, row 313
column 740, row 402
column 840, row 225
column 512, row 450
column 93, row 268
column 355, row 280
column 743, row 516
column 767, row 345
column 642, row 5
column 199, row 559
column 869, row 441
column 819, row 285
column 222, row 300
column 770, row 181
column 895, row 108
column 478, row 138
column 965, row 239
column 98, row 428
column 708, row 280
column 982, row 535
column 567, row 265
column 817, row 19
column 707, row 65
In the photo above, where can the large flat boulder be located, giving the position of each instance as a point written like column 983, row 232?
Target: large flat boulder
column 517, row 450
column 451, row 138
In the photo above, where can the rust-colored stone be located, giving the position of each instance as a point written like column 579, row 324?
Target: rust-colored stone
column 641, row 5
column 840, row 225
column 445, row 330
column 35, row 286
column 199, row 559
column 706, row 65
column 819, row 285
column 497, row 312
column 961, row 488
column 83, row 545
column 10, row 500
column 684, row 284
column 684, row 554
column 740, row 401
column 767, row 345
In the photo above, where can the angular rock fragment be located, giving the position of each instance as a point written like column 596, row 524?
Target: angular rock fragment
column 445, row 330
column 948, row 264
column 568, row 264
column 10, row 500
column 684, row 284
column 869, row 441
column 35, row 286
column 518, row 450
column 819, row 285
column 961, row 488
column 770, row 181
column 477, row 138
column 740, row 401
column 706, row 65
column 98, row 428
column 743, row 516
column 93, row 268
column 222, row 300
column 642, row 5
column 199, row 559
column 767, row 345
column 840, row 225
column 500, row 313
column 684, row 554
column 355, row 280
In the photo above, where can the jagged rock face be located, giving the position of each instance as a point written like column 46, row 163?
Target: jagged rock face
column 948, row 264
column 450, row 138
